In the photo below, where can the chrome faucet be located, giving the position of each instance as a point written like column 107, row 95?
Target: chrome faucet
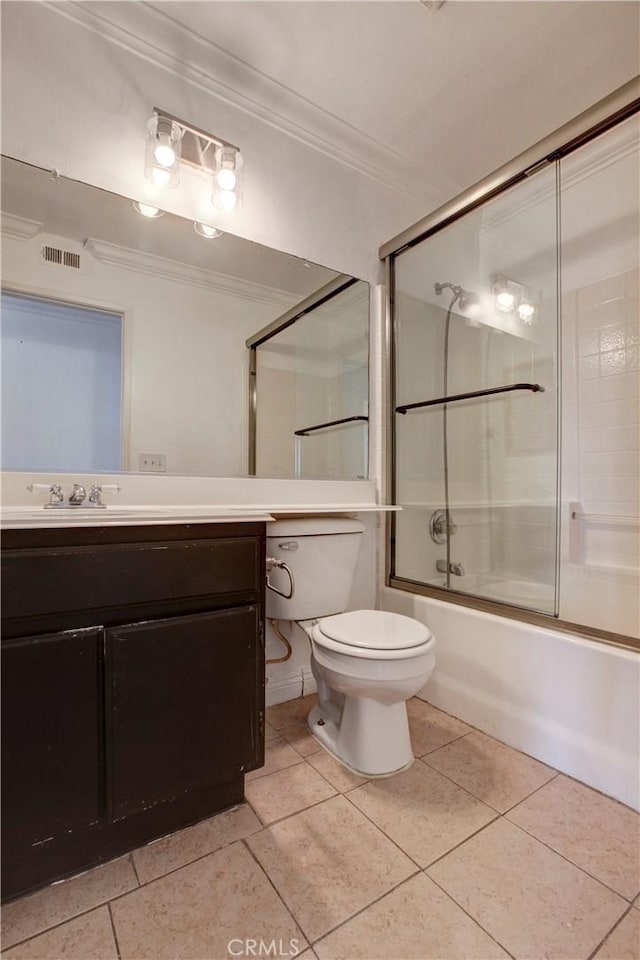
column 55, row 494
column 78, row 494
column 455, row 568
column 95, row 496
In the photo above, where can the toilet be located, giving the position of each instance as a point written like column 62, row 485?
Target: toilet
column 366, row 663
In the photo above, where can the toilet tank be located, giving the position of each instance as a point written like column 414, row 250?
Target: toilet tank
column 321, row 554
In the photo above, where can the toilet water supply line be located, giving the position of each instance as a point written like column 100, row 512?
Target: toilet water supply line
column 271, row 563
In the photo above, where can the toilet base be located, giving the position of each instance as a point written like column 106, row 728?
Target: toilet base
column 372, row 739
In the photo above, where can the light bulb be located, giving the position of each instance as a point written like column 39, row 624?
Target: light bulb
column 164, row 153
column 160, row 176
column 227, row 199
column 505, row 301
column 226, row 178
column 147, row 210
column 526, row 312
column 206, row 231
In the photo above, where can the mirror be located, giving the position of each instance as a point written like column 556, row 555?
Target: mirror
column 312, row 390
column 124, row 337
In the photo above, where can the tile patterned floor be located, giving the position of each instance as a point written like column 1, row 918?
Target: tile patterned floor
column 476, row 852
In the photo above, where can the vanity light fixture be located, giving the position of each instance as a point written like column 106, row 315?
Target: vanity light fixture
column 147, row 210
column 171, row 142
column 510, row 295
column 207, row 231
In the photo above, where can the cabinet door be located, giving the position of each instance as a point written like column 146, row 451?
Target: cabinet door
column 51, row 730
column 183, row 705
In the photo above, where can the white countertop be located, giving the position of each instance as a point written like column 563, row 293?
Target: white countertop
column 19, row 517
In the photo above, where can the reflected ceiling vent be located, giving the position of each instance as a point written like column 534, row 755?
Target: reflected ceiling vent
column 61, row 258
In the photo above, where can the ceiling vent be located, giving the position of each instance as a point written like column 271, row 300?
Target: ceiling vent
column 61, row 258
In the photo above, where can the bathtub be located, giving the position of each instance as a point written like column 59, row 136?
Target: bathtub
column 568, row 701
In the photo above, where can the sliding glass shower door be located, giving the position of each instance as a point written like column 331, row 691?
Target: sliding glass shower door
column 476, row 401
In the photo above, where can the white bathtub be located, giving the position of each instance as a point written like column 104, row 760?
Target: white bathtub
column 570, row 702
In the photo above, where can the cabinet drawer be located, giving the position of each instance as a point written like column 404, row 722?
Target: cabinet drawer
column 56, row 579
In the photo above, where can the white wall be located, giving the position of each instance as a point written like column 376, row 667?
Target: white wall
column 186, row 363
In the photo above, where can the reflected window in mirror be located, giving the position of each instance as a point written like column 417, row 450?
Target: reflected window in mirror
column 61, row 386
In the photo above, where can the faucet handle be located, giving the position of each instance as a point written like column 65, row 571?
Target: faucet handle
column 97, row 489
column 53, row 489
column 78, row 494
column 95, row 493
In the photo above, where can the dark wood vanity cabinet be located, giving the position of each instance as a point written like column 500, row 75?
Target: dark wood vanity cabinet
column 132, row 687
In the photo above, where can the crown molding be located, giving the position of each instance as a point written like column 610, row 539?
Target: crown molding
column 151, row 265
column 19, row 228
column 153, row 35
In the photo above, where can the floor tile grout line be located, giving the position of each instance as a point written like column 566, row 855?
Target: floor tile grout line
column 448, row 743
column 567, row 859
column 462, row 842
column 113, row 927
column 277, row 893
column 532, row 794
column 189, row 863
column 608, row 934
column 342, row 793
column 133, row 862
column 460, row 787
column 294, row 813
column 482, row 800
column 61, row 923
column 412, row 876
column 270, row 773
column 472, row 918
column 379, row 828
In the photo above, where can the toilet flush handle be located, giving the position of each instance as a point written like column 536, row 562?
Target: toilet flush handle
column 271, row 563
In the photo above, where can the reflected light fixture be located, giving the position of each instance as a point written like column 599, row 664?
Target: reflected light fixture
column 510, row 295
column 171, row 142
column 147, row 210
column 207, row 231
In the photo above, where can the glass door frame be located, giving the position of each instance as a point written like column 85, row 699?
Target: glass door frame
column 607, row 113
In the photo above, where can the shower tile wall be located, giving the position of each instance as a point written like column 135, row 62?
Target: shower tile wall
column 601, row 425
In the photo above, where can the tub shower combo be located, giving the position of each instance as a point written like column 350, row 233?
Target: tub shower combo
column 514, row 371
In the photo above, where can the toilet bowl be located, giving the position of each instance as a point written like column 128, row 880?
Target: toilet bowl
column 366, row 663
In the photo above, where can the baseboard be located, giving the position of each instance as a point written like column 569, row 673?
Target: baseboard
column 291, row 686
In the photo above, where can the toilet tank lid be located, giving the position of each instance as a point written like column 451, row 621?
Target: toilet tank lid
column 313, row 526
column 375, row 629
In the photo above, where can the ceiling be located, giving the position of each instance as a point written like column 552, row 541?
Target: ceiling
column 432, row 100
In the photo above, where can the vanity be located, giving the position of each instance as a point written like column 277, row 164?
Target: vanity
column 132, row 686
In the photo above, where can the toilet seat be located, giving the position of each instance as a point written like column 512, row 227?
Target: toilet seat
column 373, row 634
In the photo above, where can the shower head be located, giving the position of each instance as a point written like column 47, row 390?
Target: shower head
column 468, row 302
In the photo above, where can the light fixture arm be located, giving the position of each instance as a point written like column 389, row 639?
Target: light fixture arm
column 196, row 146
